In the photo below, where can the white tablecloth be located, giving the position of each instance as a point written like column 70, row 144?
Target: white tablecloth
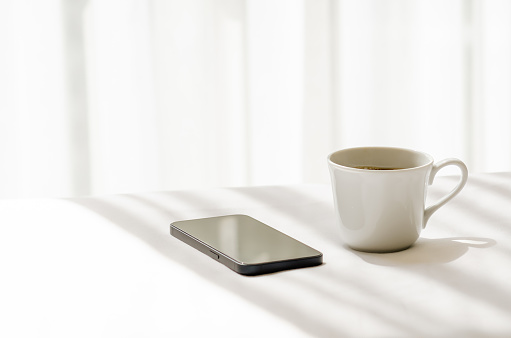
column 108, row 267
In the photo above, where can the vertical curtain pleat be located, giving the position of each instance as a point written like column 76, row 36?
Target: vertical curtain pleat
column 494, row 109
column 200, row 81
column 34, row 124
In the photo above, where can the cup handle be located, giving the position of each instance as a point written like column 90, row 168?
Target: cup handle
column 463, row 179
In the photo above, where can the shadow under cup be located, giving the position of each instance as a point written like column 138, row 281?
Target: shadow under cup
column 379, row 196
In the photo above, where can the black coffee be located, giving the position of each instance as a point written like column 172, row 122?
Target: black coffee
column 376, row 168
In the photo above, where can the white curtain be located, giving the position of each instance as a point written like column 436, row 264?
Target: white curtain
column 116, row 96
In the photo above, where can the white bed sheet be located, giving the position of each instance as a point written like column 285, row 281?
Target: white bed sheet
column 107, row 267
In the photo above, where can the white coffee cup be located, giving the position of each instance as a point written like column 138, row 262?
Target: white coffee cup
column 380, row 195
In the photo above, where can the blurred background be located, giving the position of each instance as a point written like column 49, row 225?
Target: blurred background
column 118, row 96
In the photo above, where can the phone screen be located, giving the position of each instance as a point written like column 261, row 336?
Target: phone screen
column 245, row 241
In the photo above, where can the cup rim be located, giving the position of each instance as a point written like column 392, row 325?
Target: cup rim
column 345, row 167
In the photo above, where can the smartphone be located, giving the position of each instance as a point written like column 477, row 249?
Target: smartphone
column 245, row 245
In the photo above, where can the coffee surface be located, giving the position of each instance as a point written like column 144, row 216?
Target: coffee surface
column 376, row 168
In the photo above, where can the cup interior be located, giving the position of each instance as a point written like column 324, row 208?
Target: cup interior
column 380, row 157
